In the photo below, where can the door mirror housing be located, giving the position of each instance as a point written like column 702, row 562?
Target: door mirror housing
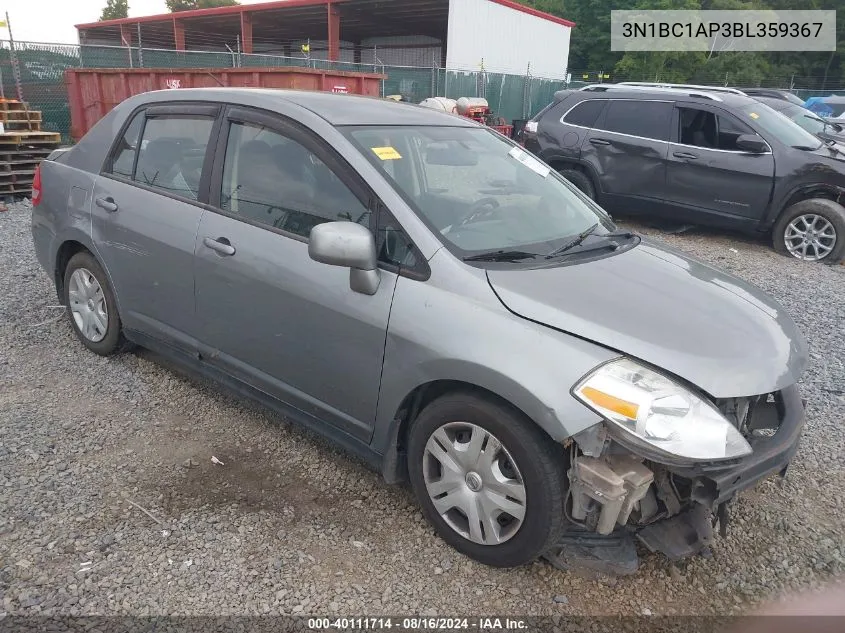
column 751, row 143
column 349, row 245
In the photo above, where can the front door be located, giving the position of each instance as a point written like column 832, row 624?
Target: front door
column 709, row 178
column 146, row 214
column 268, row 313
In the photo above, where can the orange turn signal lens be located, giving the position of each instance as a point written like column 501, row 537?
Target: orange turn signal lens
column 611, row 403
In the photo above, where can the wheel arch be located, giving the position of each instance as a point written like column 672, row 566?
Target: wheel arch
column 394, row 463
column 560, row 163
column 808, row 192
column 68, row 247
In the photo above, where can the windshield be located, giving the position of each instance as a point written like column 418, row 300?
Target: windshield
column 780, row 127
column 806, row 119
column 478, row 191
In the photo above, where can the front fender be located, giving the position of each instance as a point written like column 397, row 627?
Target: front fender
column 455, row 328
column 785, row 199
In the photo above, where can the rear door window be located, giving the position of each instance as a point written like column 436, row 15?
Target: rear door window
column 172, row 153
column 647, row 119
column 585, row 113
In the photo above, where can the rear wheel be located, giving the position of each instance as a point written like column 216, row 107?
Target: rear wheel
column 487, row 478
column 91, row 306
column 581, row 181
column 812, row 230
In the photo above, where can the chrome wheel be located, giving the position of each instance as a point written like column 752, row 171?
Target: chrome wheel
column 88, row 305
column 474, row 483
column 810, row 237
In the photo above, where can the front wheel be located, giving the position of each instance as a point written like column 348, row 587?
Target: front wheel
column 812, row 230
column 488, row 479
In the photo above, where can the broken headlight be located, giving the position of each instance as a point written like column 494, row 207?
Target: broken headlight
column 660, row 412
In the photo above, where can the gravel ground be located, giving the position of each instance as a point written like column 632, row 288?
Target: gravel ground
column 290, row 525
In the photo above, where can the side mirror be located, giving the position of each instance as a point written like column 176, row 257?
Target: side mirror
column 349, row 245
column 751, row 143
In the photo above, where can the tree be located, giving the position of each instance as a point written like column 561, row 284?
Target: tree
column 115, row 9
column 174, row 6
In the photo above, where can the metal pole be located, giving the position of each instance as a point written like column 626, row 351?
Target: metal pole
column 140, row 48
column 16, row 70
column 129, row 49
column 239, row 51
column 2, row 87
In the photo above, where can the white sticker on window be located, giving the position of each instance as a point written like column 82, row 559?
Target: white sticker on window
column 529, row 161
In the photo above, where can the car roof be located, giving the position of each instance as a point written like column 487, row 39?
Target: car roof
column 618, row 91
column 337, row 109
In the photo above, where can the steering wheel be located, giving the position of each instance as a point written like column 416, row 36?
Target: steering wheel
column 479, row 210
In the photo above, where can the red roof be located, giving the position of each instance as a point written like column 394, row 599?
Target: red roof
column 282, row 4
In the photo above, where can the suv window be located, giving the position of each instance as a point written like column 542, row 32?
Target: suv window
column 172, row 153
column 585, row 113
column 272, row 179
column 648, row 119
column 124, row 153
column 703, row 128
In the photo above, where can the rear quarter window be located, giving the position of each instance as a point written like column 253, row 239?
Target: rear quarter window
column 585, row 114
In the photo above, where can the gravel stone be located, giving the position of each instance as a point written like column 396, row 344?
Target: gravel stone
column 277, row 528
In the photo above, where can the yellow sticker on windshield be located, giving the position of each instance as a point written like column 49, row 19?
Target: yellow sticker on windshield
column 754, row 115
column 386, row 153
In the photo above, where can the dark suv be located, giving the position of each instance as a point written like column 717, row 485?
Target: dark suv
column 702, row 157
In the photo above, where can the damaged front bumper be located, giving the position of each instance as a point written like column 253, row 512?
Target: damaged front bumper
column 671, row 508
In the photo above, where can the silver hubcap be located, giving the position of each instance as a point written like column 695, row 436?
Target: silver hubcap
column 474, row 483
column 810, row 237
column 88, row 305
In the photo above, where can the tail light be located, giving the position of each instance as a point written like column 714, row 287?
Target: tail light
column 36, row 187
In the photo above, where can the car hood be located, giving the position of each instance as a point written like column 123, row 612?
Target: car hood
column 655, row 304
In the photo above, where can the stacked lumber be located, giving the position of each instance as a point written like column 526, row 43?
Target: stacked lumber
column 23, row 145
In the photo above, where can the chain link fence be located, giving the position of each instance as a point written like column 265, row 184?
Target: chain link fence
column 42, row 70
column 511, row 96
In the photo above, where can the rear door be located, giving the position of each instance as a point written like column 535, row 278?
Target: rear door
column 627, row 149
column 146, row 213
column 709, row 178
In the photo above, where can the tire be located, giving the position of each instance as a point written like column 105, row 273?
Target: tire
column 84, row 303
column 529, row 458
column 581, row 181
column 828, row 218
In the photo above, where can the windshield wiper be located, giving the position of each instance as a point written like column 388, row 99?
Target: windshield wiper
column 573, row 243
column 500, row 255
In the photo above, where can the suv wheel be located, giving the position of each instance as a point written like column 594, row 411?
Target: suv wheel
column 812, row 230
column 91, row 306
column 488, row 479
column 581, row 181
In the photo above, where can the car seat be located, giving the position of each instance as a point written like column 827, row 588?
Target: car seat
column 157, row 162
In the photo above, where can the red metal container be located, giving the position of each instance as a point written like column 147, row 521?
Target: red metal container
column 92, row 92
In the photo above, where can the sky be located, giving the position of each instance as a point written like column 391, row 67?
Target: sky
column 53, row 20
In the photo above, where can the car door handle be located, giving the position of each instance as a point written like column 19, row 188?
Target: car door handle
column 221, row 245
column 599, row 141
column 106, row 203
column 686, row 155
